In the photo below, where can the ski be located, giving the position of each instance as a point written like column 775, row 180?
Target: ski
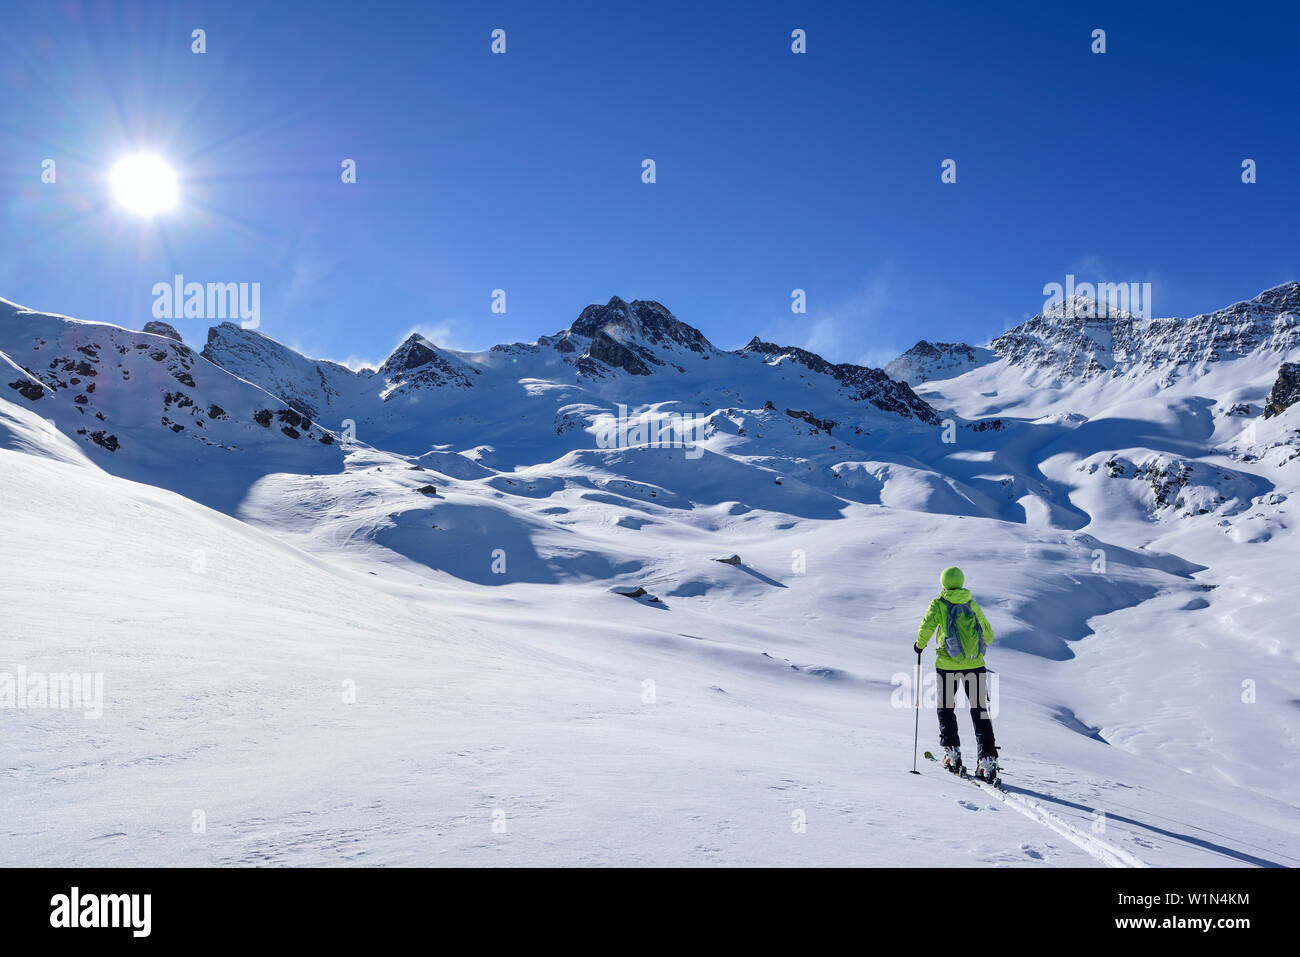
column 965, row 775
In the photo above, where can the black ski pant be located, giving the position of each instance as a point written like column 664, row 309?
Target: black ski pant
column 975, row 684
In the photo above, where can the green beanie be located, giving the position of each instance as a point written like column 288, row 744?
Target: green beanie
column 952, row 577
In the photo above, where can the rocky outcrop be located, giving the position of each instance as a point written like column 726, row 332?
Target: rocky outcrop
column 858, row 382
column 638, row 593
column 823, row 425
column 634, row 337
column 615, row 355
column 936, row 360
column 644, row 321
column 29, row 389
column 156, row 328
column 417, row 362
column 1286, row 390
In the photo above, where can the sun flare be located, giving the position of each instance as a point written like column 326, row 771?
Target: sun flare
column 144, row 184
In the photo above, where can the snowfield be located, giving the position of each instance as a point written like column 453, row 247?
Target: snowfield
column 378, row 617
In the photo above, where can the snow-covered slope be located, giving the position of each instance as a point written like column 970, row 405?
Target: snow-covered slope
column 374, row 643
column 148, row 408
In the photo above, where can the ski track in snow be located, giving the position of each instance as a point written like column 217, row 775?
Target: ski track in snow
column 1107, row 853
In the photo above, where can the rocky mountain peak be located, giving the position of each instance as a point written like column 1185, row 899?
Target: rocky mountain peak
column 859, row 382
column 418, row 362
column 936, row 360
column 156, row 328
column 645, row 321
column 415, row 351
column 1085, row 308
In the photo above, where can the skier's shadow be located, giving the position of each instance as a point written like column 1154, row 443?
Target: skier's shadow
column 1199, row 842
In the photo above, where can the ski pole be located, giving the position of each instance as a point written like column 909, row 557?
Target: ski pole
column 916, row 731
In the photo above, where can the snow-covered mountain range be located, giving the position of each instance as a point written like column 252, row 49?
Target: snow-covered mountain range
column 366, row 615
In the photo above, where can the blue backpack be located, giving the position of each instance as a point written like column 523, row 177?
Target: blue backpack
column 952, row 637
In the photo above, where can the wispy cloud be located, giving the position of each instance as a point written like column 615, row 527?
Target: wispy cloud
column 866, row 327
column 445, row 334
column 356, row 363
column 1092, row 268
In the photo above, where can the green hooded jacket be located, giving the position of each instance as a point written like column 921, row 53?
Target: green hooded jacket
column 936, row 617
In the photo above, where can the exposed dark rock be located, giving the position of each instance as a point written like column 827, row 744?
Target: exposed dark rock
column 156, row 328
column 418, row 361
column 615, row 355
column 1286, row 390
column 646, row 320
column 637, row 593
column 28, row 389
column 935, row 360
column 411, row 354
column 1166, row 481
column 859, row 382
column 825, row 425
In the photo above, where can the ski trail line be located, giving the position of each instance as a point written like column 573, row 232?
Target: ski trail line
column 1107, row 853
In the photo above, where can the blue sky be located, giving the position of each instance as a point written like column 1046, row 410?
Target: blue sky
column 775, row 171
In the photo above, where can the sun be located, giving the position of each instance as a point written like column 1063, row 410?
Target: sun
column 144, row 184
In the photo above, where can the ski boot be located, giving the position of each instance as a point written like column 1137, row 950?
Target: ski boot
column 952, row 761
column 987, row 771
